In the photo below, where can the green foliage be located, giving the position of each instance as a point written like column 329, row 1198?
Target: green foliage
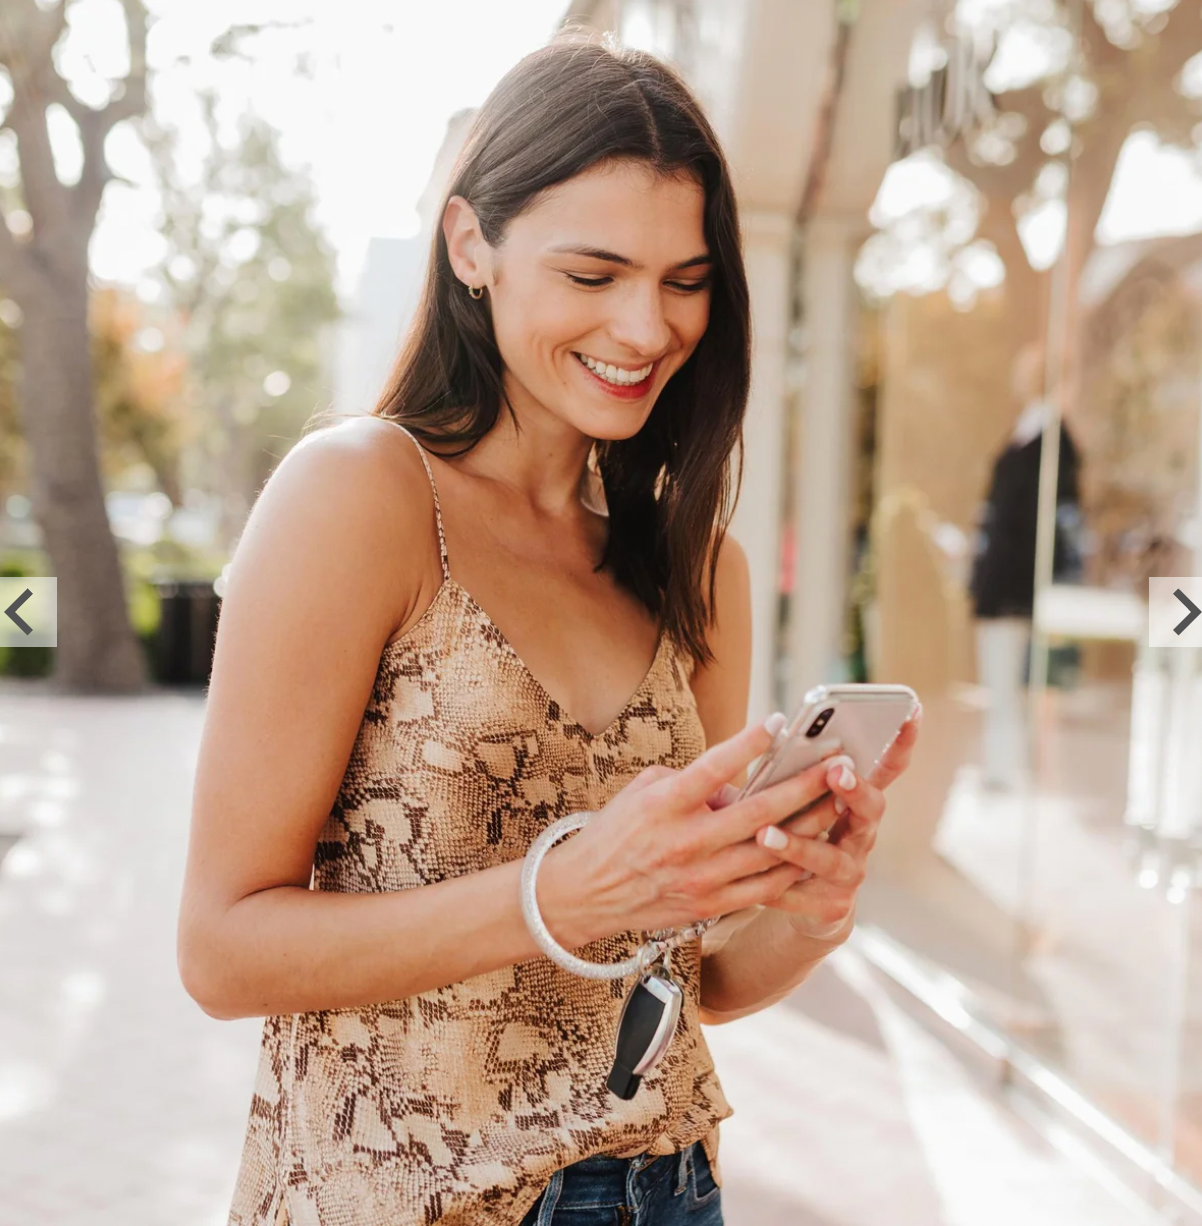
column 252, row 278
column 140, row 411
column 140, row 405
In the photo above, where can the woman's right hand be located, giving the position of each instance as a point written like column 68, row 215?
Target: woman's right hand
column 666, row 852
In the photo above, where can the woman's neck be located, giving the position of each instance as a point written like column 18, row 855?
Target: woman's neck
column 545, row 464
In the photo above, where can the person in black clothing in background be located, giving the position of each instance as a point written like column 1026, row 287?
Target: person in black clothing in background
column 1003, row 574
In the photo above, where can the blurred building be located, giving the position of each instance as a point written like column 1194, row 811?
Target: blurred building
column 381, row 307
column 928, row 200
column 387, row 292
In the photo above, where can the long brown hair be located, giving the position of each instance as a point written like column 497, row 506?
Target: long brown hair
column 670, row 491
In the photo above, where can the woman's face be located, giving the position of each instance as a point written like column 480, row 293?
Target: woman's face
column 600, row 291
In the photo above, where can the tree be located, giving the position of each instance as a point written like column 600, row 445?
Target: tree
column 251, row 277
column 140, row 376
column 1099, row 73
column 44, row 269
column 1124, row 73
column 138, row 380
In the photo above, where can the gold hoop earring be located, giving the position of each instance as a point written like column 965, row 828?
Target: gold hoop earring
column 476, row 291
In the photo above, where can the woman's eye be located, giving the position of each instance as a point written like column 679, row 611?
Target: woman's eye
column 684, row 287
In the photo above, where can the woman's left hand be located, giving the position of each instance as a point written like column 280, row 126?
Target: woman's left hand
column 832, row 841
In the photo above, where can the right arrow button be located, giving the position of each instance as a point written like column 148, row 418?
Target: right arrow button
column 1193, row 611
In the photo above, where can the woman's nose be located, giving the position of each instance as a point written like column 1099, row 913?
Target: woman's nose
column 640, row 324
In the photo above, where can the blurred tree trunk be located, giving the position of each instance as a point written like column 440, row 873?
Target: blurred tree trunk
column 44, row 268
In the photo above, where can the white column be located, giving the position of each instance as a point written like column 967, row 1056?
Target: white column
column 822, row 467
column 757, row 520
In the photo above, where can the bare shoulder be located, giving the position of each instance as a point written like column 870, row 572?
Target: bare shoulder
column 732, row 574
column 349, row 508
column 338, row 549
column 367, row 465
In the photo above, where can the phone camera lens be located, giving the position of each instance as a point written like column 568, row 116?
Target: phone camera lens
column 815, row 729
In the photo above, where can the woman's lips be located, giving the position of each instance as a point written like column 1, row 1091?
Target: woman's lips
column 621, row 391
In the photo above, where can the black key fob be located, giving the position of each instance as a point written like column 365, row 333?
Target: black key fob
column 644, row 1032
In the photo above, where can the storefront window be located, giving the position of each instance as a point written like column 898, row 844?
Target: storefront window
column 1031, row 316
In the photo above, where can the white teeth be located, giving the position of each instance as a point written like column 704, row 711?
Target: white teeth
column 614, row 374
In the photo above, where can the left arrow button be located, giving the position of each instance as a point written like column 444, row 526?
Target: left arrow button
column 11, row 611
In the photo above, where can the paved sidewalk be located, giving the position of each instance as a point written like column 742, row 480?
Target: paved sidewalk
column 121, row 1104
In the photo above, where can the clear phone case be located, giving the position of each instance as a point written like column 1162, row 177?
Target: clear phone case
column 862, row 722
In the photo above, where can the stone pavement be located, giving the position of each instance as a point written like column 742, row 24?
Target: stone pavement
column 121, row 1104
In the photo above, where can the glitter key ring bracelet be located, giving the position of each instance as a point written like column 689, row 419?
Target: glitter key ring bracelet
column 660, row 943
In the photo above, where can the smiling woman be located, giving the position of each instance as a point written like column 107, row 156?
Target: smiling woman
column 539, row 614
column 605, row 236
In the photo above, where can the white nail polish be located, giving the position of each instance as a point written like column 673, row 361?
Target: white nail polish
column 847, row 780
column 840, row 805
column 776, row 839
column 775, row 722
column 835, row 768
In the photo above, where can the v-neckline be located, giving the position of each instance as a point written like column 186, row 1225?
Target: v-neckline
column 512, row 652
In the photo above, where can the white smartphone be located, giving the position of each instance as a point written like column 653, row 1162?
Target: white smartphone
column 860, row 720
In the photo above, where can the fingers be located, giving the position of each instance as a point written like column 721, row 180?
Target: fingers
column 761, row 889
column 863, row 805
column 773, row 804
column 647, row 776
column 896, row 758
column 730, row 864
column 832, row 864
column 811, row 822
column 719, row 764
column 727, row 794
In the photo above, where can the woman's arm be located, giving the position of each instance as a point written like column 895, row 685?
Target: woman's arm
column 769, row 957
column 339, row 553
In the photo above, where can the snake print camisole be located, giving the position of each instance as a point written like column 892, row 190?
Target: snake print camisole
column 457, row 1105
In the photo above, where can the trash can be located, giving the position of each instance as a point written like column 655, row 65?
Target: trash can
column 183, row 644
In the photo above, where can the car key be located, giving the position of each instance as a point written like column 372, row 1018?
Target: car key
column 645, row 1031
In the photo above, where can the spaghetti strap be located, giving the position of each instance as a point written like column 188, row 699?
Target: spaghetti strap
column 421, row 451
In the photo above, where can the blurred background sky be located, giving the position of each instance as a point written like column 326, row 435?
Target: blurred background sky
column 360, row 91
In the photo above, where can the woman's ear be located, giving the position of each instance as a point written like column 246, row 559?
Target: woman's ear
column 466, row 246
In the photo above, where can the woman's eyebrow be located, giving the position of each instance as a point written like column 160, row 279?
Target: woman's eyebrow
column 611, row 257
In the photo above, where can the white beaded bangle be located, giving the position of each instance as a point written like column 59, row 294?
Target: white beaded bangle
column 661, row 943
column 534, row 920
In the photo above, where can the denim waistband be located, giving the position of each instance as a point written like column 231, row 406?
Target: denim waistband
column 604, row 1184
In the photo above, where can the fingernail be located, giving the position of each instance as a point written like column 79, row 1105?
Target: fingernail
column 916, row 717
column 840, row 805
column 775, row 839
column 835, row 768
column 775, row 722
column 843, row 778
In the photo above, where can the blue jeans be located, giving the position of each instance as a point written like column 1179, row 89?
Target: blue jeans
column 670, row 1190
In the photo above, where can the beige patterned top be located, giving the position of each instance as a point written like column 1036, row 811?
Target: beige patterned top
column 457, row 1105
